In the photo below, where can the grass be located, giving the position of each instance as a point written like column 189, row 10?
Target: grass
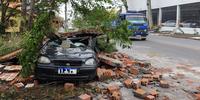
column 9, row 43
column 53, row 91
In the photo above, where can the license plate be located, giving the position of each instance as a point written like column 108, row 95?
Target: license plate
column 138, row 37
column 71, row 71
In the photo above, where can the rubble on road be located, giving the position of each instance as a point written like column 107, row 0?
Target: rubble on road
column 110, row 61
column 85, row 97
column 9, row 72
column 117, row 73
column 69, row 87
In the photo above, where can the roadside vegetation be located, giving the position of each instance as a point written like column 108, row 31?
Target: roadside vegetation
column 36, row 23
column 9, row 43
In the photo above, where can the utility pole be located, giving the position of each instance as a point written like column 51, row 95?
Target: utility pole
column 66, row 20
column 149, row 12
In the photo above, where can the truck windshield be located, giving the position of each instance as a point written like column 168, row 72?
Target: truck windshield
column 135, row 19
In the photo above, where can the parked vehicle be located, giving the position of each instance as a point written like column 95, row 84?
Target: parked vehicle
column 138, row 24
column 190, row 24
column 71, row 58
column 169, row 23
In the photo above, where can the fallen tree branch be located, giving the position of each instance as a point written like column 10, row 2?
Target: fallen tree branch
column 10, row 56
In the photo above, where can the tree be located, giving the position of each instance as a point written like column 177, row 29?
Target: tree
column 92, row 12
column 149, row 12
column 7, row 12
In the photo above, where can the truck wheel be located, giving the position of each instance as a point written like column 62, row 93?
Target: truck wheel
column 144, row 39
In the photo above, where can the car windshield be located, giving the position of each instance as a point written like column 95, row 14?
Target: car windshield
column 132, row 19
column 170, row 21
column 67, row 43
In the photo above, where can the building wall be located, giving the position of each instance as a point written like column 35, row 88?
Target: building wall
column 139, row 5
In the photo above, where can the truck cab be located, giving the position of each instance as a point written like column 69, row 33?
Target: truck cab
column 139, row 24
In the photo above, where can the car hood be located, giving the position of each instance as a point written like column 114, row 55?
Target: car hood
column 69, row 53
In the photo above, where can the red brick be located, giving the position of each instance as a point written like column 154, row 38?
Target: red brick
column 85, row 97
column 136, row 83
column 128, row 83
column 100, row 73
column 68, row 87
column 164, row 84
column 108, row 73
column 140, row 93
column 134, row 71
column 197, row 96
column 154, row 93
column 113, row 88
column 116, row 95
column 128, row 62
column 120, row 74
column 149, row 97
column 144, row 81
column 122, row 69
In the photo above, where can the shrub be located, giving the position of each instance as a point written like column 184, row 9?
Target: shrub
column 32, row 42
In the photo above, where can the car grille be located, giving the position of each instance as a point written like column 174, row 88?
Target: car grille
column 67, row 63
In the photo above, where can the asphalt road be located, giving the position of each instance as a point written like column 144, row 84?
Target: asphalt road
column 179, row 49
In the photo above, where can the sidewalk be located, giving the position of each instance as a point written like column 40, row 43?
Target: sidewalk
column 185, row 36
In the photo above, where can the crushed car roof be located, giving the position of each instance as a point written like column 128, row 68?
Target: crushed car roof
column 81, row 33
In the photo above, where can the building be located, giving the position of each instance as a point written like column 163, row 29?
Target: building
column 164, row 10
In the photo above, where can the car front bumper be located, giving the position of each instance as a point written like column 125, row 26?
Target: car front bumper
column 50, row 72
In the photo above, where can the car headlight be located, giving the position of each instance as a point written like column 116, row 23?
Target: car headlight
column 44, row 60
column 90, row 61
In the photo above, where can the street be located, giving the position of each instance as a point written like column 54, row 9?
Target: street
column 176, row 48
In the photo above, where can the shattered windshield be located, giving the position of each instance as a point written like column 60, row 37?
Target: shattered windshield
column 67, row 44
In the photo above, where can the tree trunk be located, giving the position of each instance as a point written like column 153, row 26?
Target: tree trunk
column 4, row 8
column 30, row 20
column 149, row 11
column 23, row 14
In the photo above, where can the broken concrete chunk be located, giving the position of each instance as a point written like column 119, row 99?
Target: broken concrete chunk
column 140, row 93
column 68, row 87
column 30, row 85
column 13, row 68
column 1, row 66
column 85, row 97
column 110, row 61
column 136, row 83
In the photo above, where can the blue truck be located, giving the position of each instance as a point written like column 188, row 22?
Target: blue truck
column 139, row 24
